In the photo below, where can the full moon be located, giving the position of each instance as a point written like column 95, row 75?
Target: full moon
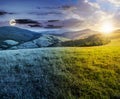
column 12, row 22
column 107, row 27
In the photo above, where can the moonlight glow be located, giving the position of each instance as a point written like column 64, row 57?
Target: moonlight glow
column 107, row 27
column 12, row 22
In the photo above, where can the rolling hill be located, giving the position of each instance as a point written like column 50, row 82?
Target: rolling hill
column 17, row 34
column 78, row 34
column 94, row 40
column 17, row 38
column 43, row 41
column 115, row 38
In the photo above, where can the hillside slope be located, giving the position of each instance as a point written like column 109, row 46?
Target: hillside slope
column 43, row 41
column 62, row 73
column 17, row 34
column 78, row 34
column 115, row 38
column 17, row 38
column 94, row 40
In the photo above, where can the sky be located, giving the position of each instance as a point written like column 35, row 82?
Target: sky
column 40, row 15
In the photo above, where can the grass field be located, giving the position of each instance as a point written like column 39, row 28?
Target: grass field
column 62, row 73
column 93, row 72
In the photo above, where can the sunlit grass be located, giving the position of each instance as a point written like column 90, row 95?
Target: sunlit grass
column 91, row 72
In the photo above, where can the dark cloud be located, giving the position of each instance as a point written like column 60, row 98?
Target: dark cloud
column 53, row 20
column 26, row 21
column 45, row 13
column 11, row 13
column 53, row 26
column 35, row 25
column 50, row 8
column 70, row 23
column 4, row 13
column 67, row 7
column 29, row 22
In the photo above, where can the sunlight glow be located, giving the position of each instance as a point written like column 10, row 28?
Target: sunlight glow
column 107, row 27
column 12, row 22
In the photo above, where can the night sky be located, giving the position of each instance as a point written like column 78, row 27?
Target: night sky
column 38, row 15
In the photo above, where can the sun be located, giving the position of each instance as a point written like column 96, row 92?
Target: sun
column 12, row 22
column 107, row 27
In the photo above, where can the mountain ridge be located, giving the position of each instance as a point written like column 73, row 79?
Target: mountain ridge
column 78, row 34
column 17, row 34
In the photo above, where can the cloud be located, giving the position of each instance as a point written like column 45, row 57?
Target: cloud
column 116, row 2
column 91, row 14
column 116, row 18
column 26, row 21
column 53, row 20
column 68, row 23
column 35, row 25
column 48, row 7
column 82, row 15
column 86, row 13
column 68, row 7
column 53, row 24
column 29, row 22
column 72, row 23
column 93, row 4
column 3, row 12
column 86, row 8
column 45, row 13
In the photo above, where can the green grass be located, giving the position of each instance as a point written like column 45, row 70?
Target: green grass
column 114, row 42
column 89, row 72
column 62, row 73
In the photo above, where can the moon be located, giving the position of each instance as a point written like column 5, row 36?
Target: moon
column 12, row 22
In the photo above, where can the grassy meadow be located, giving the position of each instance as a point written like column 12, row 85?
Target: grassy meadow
column 61, row 73
column 93, row 72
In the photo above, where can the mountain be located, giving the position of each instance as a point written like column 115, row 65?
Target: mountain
column 17, row 34
column 78, row 34
column 11, row 36
column 43, row 41
column 16, row 38
column 94, row 40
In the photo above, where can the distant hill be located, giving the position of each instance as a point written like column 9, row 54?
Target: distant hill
column 94, row 40
column 17, row 34
column 115, row 38
column 16, row 38
column 78, row 34
column 43, row 41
